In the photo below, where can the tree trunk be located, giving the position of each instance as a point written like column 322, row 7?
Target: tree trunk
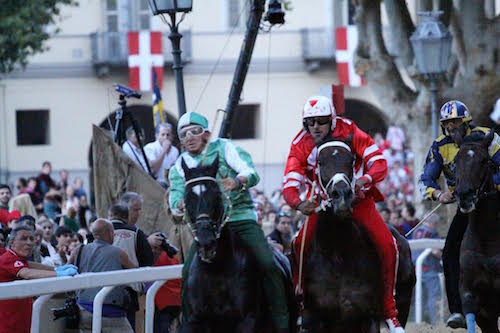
column 473, row 77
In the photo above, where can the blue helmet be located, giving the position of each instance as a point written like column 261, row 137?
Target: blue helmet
column 454, row 110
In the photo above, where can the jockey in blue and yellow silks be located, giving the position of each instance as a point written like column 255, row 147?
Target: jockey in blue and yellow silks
column 456, row 123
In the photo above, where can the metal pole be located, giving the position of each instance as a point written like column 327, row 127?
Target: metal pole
column 240, row 73
column 418, row 287
column 175, row 38
column 150, row 305
column 434, row 115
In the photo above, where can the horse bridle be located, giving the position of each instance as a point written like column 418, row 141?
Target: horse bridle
column 338, row 177
column 201, row 217
column 481, row 191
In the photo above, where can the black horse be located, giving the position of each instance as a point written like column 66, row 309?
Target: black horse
column 343, row 284
column 224, row 287
column 480, row 249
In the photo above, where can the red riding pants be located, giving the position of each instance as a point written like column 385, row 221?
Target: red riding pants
column 365, row 215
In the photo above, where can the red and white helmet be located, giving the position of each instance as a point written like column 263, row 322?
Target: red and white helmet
column 319, row 106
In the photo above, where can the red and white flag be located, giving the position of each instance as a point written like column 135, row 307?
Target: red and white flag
column 347, row 40
column 144, row 53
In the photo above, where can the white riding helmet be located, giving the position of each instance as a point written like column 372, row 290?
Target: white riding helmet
column 319, row 106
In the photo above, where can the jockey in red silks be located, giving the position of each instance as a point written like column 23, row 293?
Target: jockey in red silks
column 320, row 121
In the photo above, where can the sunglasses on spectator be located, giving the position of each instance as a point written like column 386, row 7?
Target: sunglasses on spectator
column 320, row 120
column 191, row 131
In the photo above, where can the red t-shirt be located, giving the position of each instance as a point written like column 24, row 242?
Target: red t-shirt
column 170, row 293
column 15, row 314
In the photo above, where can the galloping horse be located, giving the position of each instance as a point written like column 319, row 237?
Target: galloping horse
column 343, row 276
column 480, row 250
column 224, row 287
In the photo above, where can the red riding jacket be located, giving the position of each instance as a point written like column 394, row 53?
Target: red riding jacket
column 301, row 163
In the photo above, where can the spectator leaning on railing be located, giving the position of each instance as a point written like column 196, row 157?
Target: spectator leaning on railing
column 15, row 314
column 102, row 256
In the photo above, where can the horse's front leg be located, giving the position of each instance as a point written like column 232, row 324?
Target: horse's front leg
column 469, row 306
column 189, row 327
column 310, row 322
column 247, row 325
column 488, row 322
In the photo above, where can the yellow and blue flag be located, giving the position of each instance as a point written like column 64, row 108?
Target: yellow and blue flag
column 158, row 114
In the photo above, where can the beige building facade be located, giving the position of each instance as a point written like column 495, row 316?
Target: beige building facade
column 72, row 83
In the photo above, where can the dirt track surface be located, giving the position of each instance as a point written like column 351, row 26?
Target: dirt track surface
column 426, row 328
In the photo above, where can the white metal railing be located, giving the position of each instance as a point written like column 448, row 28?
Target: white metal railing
column 108, row 280
column 427, row 245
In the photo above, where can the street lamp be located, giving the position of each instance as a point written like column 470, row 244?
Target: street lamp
column 171, row 7
column 431, row 44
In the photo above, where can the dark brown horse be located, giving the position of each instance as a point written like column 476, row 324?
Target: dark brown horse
column 224, row 286
column 480, row 250
column 343, row 276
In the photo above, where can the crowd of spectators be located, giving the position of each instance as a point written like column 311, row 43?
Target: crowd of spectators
column 49, row 229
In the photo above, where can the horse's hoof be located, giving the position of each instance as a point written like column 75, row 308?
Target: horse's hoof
column 456, row 320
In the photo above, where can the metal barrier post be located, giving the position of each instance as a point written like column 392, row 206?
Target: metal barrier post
column 97, row 315
column 37, row 308
column 150, row 304
column 418, row 287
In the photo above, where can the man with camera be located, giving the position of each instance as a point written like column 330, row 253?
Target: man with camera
column 102, row 256
column 15, row 314
column 133, row 241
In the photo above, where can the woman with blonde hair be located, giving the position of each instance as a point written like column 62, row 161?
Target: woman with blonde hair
column 23, row 204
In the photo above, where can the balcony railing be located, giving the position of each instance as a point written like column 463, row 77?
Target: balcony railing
column 318, row 44
column 111, row 48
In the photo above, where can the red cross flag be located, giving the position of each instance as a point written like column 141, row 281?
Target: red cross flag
column 347, row 39
column 144, row 53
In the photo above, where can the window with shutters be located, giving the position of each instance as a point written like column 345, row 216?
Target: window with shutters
column 144, row 15
column 125, row 15
column 238, row 11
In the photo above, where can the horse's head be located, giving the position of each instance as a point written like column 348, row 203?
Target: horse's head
column 473, row 171
column 335, row 173
column 204, row 206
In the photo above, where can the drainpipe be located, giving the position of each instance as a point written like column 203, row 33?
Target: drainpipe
column 4, row 174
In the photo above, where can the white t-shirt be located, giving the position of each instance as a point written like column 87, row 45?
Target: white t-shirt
column 153, row 151
column 135, row 154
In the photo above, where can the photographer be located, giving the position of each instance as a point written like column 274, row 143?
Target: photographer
column 132, row 240
column 102, row 256
column 15, row 314
column 168, row 297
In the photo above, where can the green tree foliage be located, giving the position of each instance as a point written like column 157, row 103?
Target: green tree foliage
column 23, row 30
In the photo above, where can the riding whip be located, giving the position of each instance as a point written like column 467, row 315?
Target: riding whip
column 423, row 219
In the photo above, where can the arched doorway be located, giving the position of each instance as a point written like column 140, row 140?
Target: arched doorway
column 144, row 116
column 369, row 118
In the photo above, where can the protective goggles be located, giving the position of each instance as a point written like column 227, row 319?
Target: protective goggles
column 320, row 120
column 186, row 132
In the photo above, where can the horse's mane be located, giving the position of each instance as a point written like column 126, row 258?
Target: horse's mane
column 475, row 136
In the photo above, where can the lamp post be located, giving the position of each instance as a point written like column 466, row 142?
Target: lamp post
column 171, row 7
column 431, row 44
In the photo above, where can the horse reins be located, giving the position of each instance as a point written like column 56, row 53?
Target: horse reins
column 336, row 178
